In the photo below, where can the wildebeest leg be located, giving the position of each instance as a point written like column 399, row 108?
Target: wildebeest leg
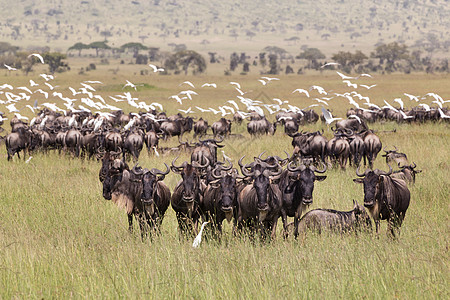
column 296, row 221
column 377, row 226
column 130, row 223
column 274, row 229
column 285, row 225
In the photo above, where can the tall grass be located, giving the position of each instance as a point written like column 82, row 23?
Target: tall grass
column 59, row 238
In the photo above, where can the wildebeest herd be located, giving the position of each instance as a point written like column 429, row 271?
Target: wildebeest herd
column 253, row 195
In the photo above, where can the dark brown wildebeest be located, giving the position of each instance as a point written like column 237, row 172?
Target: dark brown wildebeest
column 260, row 202
column 72, row 141
column 133, row 143
column 338, row 149
column 155, row 196
column 200, row 128
column 220, row 197
column 124, row 187
column 176, row 126
column 352, row 124
column 260, row 127
column 18, row 141
column 319, row 220
column 357, row 148
column 297, row 186
column 221, row 127
column 372, row 146
column 407, row 173
column 385, row 197
column 206, row 150
column 151, row 140
column 187, row 194
column 310, row 144
column 113, row 141
column 400, row 159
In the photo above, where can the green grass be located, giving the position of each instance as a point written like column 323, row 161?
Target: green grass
column 59, row 238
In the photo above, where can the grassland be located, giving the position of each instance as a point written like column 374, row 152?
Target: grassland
column 60, row 239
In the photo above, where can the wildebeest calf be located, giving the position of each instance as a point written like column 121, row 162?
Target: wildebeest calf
column 319, row 220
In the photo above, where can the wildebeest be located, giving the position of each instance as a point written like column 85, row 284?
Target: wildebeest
column 113, row 141
column 260, row 202
column 133, row 144
column 310, row 144
column 206, row 150
column 72, row 141
column 385, row 197
column 220, row 197
column 319, row 220
column 352, row 124
column 372, row 146
column 18, row 141
column 338, row 150
column 124, row 187
column 187, row 195
column 297, row 186
column 221, row 127
column 400, row 159
column 357, row 148
column 407, row 173
column 176, row 126
column 151, row 140
column 260, row 127
column 200, row 127
column 155, row 196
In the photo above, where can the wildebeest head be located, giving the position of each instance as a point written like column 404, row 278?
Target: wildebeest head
column 149, row 184
column 113, row 175
column 190, row 173
column 304, row 179
column 398, row 157
column 371, row 180
column 225, row 179
column 362, row 217
column 261, row 174
column 108, row 158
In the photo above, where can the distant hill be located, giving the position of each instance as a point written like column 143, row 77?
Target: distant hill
column 217, row 25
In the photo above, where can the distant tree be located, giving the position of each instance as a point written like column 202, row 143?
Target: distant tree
column 348, row 60
column 212, row 57
column 153, row 54
column 186, row 60
column 55, row 61
column 273, row 64
column 246, row 67
column 312, row 55
column 106, row 34
column 250, row 34
column 79, row 47
column 135, row 47
column 234, row 61
column 99, row 46
column 262, row 59
column 389, row 54
column 141, row 59
column 7, row 48
column 280, row 52
column 289, row 70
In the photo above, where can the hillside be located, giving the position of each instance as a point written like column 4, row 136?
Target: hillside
column 228, row 25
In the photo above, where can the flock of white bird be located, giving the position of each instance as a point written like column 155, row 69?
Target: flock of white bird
column 84, row 98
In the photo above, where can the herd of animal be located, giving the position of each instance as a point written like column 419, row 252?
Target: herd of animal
column 255, row 198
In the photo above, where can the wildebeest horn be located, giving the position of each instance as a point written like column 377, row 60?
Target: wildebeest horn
column 229, row 167
column 296, row 169
column 395, row 148
column 411, row 166
column 155, row 171
column 313, row 168
column 217, row 168
column 175, row 166
column 137, row 170
column 362, row 175
column 244, row 168
column 261, row 154
column 195, row 164
column 380, row 172
column 220, row 140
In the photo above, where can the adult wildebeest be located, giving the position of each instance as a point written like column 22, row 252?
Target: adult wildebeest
column 338, row 149
column 151, row 140
column 113, row 141
column 352, row 124
column 177, row 126
column 400, row 159
column 310, row 144
column 155, row 196
column 220, row 197
column 133, row 144
column 200, row 127
column 221, row 127
column 372, row 146
column 72, row 141
column 297, row 186
column 260, row 202
column 124, row 187
column 357, row 148
column 385, row 197
column 206, row 150
column 260, row 127
column 319, row 220
column 407, row 173
column 187, row 195
column 18, row 141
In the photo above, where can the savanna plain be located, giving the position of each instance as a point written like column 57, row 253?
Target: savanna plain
column 60, row 239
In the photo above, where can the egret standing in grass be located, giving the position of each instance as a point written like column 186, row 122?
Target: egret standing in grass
column 198, row 238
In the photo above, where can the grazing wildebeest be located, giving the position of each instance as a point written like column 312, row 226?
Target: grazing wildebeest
column 220, row 197
column 297, row 186
column 155, row 196
column 407, row 173
column 400, row 159
column 187, row 195
column 385, row 197
column 310, row 144
column 18, row 141
column 221, row 127
column 260, row 202
column 176, row 126
column 352, row 124
column 319, row 220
